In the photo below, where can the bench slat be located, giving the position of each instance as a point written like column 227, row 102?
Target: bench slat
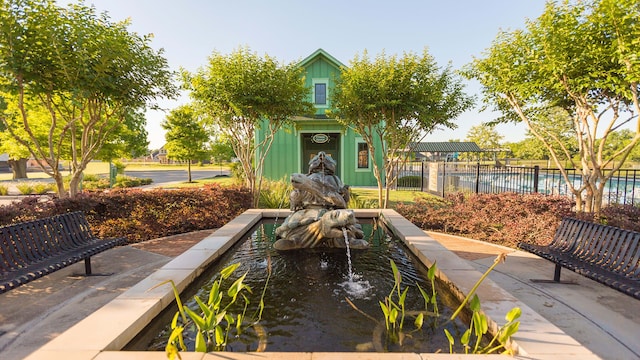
column 607, row 254
column 33, row 249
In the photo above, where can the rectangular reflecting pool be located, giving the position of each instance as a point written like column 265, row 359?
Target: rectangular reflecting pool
column 105, row 333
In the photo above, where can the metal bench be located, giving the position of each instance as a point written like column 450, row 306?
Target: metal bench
column 607, row 254
column 32, row 249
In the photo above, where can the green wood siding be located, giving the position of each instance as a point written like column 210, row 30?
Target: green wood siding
column 321, row 69
column 285, row 156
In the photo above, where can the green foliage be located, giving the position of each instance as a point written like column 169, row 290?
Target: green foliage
column 486, row 137
column 472, row 338
column 120, row 166
column 395, row 313
column 360, row 202
column 74, row 83
column 25, row 188
column 186, row 137
column 4, row 190
column 222, row 151
column 123, row 181
column 413, row 181
column 242, row 92
column 215, row 321
column 42, row 188
column 393, row 101
column 528, row 74
column 275, row 194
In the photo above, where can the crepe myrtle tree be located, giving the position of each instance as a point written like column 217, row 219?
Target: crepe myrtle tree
column 397, row 100
column 242, row 92
column 582, row 57
column 72, row 77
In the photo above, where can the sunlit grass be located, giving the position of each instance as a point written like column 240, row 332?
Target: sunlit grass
column 222, row 180
column 395, row 196
column 102, row 168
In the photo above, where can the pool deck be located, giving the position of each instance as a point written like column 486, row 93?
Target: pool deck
column 603, row 322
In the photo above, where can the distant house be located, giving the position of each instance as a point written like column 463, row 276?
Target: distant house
column 4, row 160
column 160, row 155
column 295, row 145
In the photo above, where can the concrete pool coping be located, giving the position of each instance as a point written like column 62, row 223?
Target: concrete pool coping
column 103, row 333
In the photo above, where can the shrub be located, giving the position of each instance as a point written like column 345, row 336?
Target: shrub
column 413, row 181
column 141, row 215
column 42, row 188
column 90, row 177
column 25, row 188
column 358, row 202
column 120, row 166
column 504, row 219
column 622, row 216
column 4, row 190
column 123, row 181
column 275, row 194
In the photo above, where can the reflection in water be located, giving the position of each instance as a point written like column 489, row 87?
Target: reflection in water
column 305, row 302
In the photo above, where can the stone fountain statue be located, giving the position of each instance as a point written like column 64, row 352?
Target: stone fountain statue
column 320, row 216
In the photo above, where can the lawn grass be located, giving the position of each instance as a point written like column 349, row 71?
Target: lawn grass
column 222, row 180
column 366, row 194
column 395, row 196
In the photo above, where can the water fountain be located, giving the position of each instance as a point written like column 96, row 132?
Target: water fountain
column 308, row 230
column 320, row 216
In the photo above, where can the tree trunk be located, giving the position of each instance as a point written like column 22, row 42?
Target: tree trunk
column 74, row 184
column 189, row 169
column 19, row 168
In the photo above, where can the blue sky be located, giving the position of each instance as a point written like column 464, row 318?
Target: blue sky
column 453, row 31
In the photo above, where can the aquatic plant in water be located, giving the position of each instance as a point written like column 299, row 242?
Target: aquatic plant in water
column 473, row 339
column 216, row 321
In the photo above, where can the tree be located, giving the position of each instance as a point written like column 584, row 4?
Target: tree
column 242, row 92
column 583, row 57
column 486, row 137
column 131, row 140
column 73, row 77
column 221, row 149
column 18, row 154
column 186, row 137
column 396, row 101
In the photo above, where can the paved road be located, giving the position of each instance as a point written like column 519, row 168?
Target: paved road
column 169, row 176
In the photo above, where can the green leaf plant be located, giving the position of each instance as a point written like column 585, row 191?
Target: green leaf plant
column 394, row 314
column 471, row 339
column 215, row 321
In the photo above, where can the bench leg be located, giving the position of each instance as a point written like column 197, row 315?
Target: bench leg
column 556, row 277
column 87, row 265
column 556, row 273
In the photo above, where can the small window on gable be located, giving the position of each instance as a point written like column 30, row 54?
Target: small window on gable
column 363, row 155
column 320, row 93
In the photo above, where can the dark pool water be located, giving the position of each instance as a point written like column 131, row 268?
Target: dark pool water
column 305, row 300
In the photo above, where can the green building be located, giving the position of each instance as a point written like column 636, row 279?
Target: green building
column 296, row 144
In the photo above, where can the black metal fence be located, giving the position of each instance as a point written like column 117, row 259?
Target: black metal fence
column 441, row 178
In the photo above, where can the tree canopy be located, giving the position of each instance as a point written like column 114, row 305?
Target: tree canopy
column 75, row 80
column 583, row 57
column 398, row 101
column 186, row 137
column 242, row 92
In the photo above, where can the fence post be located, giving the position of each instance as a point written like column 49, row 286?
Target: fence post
column 422, row 176
column 536, row 178
column 478, row 178
column 444, row 177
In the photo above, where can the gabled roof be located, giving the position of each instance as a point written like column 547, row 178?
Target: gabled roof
column 445, row 147
column 319, row 53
